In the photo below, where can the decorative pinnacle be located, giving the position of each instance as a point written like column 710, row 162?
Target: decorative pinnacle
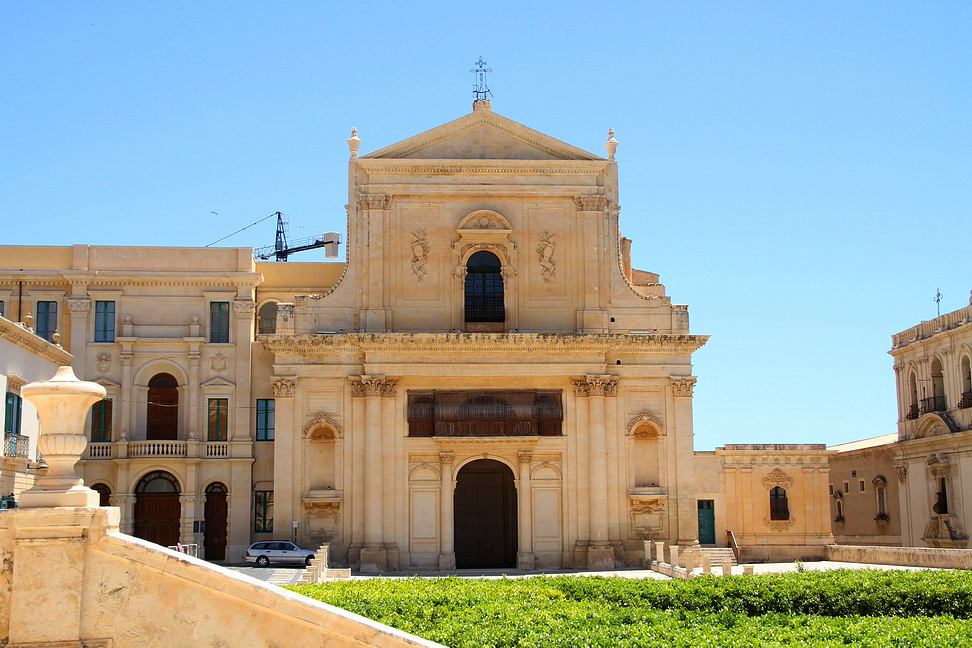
column 354, row 143
column 481, row 91
column 611, row 144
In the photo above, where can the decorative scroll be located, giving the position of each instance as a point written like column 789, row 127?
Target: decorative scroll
column 590, row 203
column 682, row 387
column 373, row 386
column 777, row 478
column 596, row 386
column 779, row 525
column 322, row 428
column 645, row 426
column 104, row 363
column 373, row 201
column 79, row 307
column 244, row 309
column 284, row 387
column 545, row 250
column 420, row 253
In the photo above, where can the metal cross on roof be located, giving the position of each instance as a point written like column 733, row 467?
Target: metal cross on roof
column 482, row 90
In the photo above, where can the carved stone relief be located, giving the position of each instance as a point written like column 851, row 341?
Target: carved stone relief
column 420, row 253
column 682, row 387
column 596, row 386
column 545, row 251
column 645, row 426
column 104, row 363
column 322, row 428
column 777, row 478
column 284, row 387
column 373, row 386
column 218, row 364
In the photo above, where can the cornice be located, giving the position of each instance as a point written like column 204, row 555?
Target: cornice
column 23, row 338
column 489, row 342
column 413, row 166
column 126, row 279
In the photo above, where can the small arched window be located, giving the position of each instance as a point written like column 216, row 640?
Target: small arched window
column 104, row 494
column 779, row 508
column 840, row 511
column 484, row 288
column 267, row 319
column 913, row 391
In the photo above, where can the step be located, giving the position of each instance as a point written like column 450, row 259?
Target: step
column 718, row 554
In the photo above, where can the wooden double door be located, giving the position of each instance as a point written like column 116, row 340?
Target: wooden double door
column 485, row 516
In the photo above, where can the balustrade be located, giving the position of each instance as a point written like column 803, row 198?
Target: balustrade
column 17, row 445
column 106, row 450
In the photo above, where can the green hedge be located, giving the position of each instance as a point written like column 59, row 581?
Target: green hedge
column 863, row 608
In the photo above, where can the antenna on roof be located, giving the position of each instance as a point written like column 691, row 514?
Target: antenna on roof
column 481, row 91
column 938, row 301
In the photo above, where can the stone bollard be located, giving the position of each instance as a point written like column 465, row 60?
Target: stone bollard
column 648, row 553
column 689, row 558
column 726, row 567
column 706, row 563
column 748, row 569
column 660, row 552
column 62, row 405
column 673, row 552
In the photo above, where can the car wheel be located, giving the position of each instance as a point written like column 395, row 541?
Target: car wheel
column 263, row 561
column 307, row 561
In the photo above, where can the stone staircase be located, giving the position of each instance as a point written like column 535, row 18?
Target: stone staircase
column 718, row 554
column 318, row 571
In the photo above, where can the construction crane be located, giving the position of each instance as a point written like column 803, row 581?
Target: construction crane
column 281, row 250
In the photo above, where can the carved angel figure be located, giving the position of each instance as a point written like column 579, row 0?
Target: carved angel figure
column 545, row 250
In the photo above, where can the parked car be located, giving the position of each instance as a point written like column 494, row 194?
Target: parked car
column 277, row 551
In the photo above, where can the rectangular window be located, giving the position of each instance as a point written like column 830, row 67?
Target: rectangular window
column 860, row 483
column 2, row 312
column 12, row 414
column 219, row 322
column 831, row 490
column 846, row 487
column 104, row 321
column 218, row 410
column 265, row 419
column 101, row 420
column 46, row 321
column 263, row 512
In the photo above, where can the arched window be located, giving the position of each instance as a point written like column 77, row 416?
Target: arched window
column 913, row 390
column 267, row 319
column 936, row 402
column 158, row 481
column 966, row 383
column 484, row 288
column 779, row 509
column 941, row 503
column 840, row 511
column 104, row 493
column 162, row 416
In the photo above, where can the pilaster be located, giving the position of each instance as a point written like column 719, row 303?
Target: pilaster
column 688, row 517
column 447, row 551
column 524, row 555
column 284, row 497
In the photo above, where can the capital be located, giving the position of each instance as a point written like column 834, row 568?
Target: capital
column 380, row 386
column 79, row 307
column 283, row 387
column 682, row 386
column 244, row 309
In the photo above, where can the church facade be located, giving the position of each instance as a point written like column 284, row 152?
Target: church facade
column 486, row 382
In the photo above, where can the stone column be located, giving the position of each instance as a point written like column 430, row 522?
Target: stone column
column 372, row 389
column 600, row 555
column 284, row 448
column 687, row 508
column 524, row 555
column 125, row 502
column 447, row 550
column 125, row 407
column 78, row 336
column 188, row 502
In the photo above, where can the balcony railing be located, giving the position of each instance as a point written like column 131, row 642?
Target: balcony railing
column 913, row 412
column 97, row 451
column 933, row 404
column 966, row 400
column 17, row 445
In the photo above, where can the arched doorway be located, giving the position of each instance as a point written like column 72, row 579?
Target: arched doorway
column 214, row 539
column 162, row 416
column 158, row 511
column 485, row 516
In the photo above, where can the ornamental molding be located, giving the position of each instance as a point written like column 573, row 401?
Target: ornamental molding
column 283, row 387
column 244, row 309
column 380, row 386
column 104, row 362
column 682, row 387
column 604, row 385
column 485, row 219
column 321, row 503
column 779, row 525
column 524, row 457
column 590, row 203
column 447, row 457
column 647, row 503
column 373, row 202
column 646, row 426
column 534, row 168
column 420, row 253
column 323, row 428
column 79, row 307
column 902, row 472
column 23, row 337
column 777, row 478
column 300, row 301
column 504, row 343
column 218, row 364
column 545, row 251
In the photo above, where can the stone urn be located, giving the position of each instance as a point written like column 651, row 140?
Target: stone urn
column 62, row 405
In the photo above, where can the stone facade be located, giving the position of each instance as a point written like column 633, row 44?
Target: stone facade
column 485, row 382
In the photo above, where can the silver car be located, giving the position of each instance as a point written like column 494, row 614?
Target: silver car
column 277, row 551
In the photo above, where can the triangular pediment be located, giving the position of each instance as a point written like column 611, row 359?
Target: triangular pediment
column 217, row 382
column 482, row 135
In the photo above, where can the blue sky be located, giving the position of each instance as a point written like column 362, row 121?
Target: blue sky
column 798, row 173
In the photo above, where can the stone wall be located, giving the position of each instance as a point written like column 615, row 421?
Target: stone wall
column 914, row 556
